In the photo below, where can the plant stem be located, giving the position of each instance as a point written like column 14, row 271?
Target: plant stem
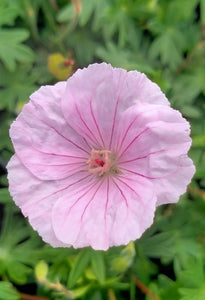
column 32, row 297
column 145, row 290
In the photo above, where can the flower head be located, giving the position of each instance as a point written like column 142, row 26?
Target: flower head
column 95, row 155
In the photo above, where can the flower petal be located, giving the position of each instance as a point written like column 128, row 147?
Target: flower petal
column 108, row 212
column 26, row 190
column 36, row 198
column 43, row 140
column 98, row 95
column 154, row 144
column 171, row 187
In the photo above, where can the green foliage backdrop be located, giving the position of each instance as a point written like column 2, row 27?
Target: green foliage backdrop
column 44, row 41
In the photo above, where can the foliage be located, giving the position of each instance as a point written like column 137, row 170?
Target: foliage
column 41, row 41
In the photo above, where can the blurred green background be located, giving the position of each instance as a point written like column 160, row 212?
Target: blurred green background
column 44, row 41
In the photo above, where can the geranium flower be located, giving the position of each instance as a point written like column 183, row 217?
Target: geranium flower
column 95, row 155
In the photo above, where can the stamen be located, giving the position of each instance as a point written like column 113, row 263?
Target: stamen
column 101, row 162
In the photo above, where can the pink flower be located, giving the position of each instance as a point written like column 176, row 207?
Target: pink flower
column 95, row 155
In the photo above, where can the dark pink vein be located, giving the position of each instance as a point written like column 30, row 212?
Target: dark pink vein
column 86, row 142
column 130, row 144
column 121, row 192
column 53, row 128
column 96, row 124
column 49, row 153
column 57, row 165
column 107, row 200
column 85, row 191
column 115, row 112
column 128, row 186
column 142, row 157
column 65, row 188
column 83, row 121
column 139, row 174
column 126, row 132
column 91, row 200
column 113, row 123
column 148, row 177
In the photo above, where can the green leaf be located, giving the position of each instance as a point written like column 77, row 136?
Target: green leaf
column 81, row 291
column 193, row 274
column 5, row 196
column 98, row 265
column 17, row 247
column 17, row 271
column 122, row 58
column 165, row 48
column 191, row 112
column 193, row 294
column 66, row 14
column 8, row 15
column 14, row 91
column 199, row 141
column 87, row 9
column 202, row 12
column 159, row 245
column 12, row 49
column 79, row 266
column 7, row 291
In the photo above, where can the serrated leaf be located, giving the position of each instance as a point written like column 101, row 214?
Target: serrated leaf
column 7, row 291
column 67, row 13
column 87, row 9
column 121, row 58
column 164, row 47
column 159, row 245
column 7, row 15
column 98, row 265
column 79, row 266
column 14, row 89
column 12, row 49
column 193, row 274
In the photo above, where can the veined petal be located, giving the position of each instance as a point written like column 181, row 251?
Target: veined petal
column 147, row 91
column 171, row 187
column 43, row 140
column 36, row 198
column 154, row 145
column 98, row 95
column 153, row 123
column 109, row 212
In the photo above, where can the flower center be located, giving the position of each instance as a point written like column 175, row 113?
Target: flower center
column 101, row 162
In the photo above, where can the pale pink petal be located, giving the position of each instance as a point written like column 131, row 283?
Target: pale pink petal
column 36, row 198
column 147, row 92
column 98, row 95
column 150, row 127
column 171, row 187
column 43, row 140
column 154, row 144
column 109, row 212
